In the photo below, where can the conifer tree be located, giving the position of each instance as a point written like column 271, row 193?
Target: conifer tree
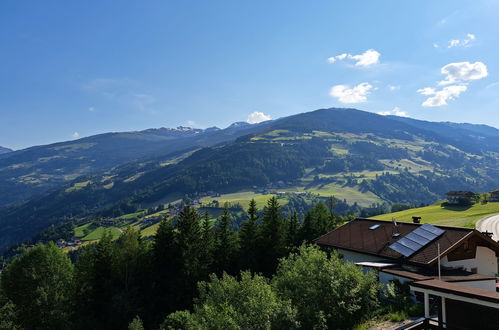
column 293, row 239
column 273, row 238
column 227, row 247
column 249, row 235
column 208, row 245
column 190, row 244
column 165, row 266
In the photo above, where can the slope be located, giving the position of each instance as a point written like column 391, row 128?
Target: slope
column 392, row 160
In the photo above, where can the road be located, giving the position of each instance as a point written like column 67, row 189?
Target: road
column 490, row 224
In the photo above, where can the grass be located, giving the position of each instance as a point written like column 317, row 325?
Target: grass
column 150, row 231
column 97, row 233
column 78, row 186
column 457, row 216
column 243, row 198
column 351, row 194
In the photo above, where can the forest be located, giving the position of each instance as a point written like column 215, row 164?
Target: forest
column 194, row 274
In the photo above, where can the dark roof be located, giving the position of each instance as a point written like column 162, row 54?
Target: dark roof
column 459, row 290
column 454, row 275
column 461, row 193
column 356, row 236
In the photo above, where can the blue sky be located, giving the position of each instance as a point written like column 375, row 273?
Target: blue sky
column 70, row 69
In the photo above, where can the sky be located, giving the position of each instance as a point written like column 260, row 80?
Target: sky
column 70, row 69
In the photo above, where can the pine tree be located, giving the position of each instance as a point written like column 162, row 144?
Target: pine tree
column 208, row 246
column 273, row 238
column 226, row 248
column 249, row 235
column 190, row 244
column 317, row 222
column 165, row 275
column 293, row 239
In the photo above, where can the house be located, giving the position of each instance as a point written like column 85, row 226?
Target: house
column 426, row 257
column 461, row 197
column 494, row 196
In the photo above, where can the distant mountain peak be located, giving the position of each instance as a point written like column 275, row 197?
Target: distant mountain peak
column 238, row 124
column 4, row 150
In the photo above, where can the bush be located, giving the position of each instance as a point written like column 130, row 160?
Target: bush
column 327, row 292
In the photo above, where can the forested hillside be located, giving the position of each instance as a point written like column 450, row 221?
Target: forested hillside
column 398, row 161
column 29, row 172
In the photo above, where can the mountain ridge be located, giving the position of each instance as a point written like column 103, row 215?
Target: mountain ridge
column 397, row 160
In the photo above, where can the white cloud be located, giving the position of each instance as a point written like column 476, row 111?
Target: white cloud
column 368, row 58
column 356, row 94
column 393, row 87
column 440, row 97
column 190, row 123
column 91, row 109
column 462, row 72
column 462, row 43
column 394, row 112
column 435, row 45
column 75, row 135
column 257, row 117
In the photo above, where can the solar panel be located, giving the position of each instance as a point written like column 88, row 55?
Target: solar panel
column 401, row 249
column 416, row 239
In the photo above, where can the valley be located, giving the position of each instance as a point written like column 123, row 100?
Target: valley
column 359, row 157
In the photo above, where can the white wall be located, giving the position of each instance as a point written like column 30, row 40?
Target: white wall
column 489, row 285
column 485, row 261
column 385, row 278
column 358, row 257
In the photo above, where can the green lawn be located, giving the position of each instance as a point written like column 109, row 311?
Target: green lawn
column 458, row 216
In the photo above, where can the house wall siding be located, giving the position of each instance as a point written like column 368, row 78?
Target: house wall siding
column 489, row 285
column 358, row 257
column 485, row 262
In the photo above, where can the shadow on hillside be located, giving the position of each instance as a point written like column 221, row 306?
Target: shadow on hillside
column 451, row 207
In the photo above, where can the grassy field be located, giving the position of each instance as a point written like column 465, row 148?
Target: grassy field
column 351, row 194
column 99, row 231
column 458, row 216
column 243, row 198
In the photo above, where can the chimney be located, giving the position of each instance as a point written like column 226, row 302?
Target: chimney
column 416, row 219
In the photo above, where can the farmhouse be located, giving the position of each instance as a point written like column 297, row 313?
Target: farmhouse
column 453, row 267
column 461, row 197
column 494, row 196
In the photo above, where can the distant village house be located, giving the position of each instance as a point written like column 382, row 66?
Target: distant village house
column 461, row 197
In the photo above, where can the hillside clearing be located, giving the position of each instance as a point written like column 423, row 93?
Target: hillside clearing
column 457, row 216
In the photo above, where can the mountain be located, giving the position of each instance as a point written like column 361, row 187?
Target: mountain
column 27, row 173
column 325, row 151
column 4, row 150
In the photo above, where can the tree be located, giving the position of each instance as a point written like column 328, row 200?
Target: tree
column 328, row 293
column 227, row 303
column 165, row 266
column 208, row 244
column 95, row 281
column 273, row 238
column 318, row 221
column 227, row 245
column 293, row 234
column 40, row 285
column 190, row 244
column 249, row 235
column 136, row 324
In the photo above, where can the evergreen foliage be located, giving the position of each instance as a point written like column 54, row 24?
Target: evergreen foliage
column 39, row 287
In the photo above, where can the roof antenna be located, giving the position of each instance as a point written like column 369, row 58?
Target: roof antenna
column 439, row 272
column 395, row 231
